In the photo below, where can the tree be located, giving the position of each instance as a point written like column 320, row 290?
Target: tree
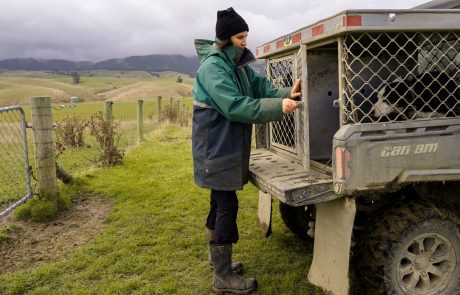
column 179, row 79
column 75, row 77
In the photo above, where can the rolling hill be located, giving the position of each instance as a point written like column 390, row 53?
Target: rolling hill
column 17, row 87
column 149, row 63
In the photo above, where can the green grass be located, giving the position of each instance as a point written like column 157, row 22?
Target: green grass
column 107, row 83
column 74, row 160
column 18, row 90
column 4, row 236
column 17, row 87
column 154, row 241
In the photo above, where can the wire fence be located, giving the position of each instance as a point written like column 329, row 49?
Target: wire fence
column 15, row 186
column 134, row 121
column 155, row 111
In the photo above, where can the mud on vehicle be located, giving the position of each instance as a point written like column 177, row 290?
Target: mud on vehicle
column 372, row 158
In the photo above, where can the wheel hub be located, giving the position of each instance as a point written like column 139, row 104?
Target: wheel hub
column 426, row 264
column 421, row 263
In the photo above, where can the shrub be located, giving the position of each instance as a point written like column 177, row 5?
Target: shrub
column 69, row 131
column 75, row 77
column 175, row 114
column 105, row 133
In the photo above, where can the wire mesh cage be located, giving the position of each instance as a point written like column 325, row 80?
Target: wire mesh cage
column 15, row 185
column 281, row 73
column 399, row 76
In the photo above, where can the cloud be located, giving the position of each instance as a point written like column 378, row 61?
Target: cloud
column 100, row 29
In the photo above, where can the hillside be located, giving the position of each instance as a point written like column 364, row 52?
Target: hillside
column 149, row 63
column 17, row 87
column 153, row 64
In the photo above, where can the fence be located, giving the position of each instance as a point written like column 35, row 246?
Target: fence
column 15, row 187
column 134, row 120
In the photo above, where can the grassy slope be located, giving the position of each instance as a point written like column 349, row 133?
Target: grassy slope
column 17, row 87
column 20, row 89
column 154, row 242
column 78, row 159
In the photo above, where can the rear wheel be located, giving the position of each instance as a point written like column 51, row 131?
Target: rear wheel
column 298, row 219
column 412, row 249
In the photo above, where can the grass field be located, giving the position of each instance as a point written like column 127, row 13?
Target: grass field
column 153, row 241
column 74, row 160
column 18, row 86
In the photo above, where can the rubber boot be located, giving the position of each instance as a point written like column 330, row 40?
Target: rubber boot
column 237, row 267
column 224, row 279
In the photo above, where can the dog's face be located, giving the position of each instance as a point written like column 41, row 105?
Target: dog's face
column 428, row 95
column 389, row 98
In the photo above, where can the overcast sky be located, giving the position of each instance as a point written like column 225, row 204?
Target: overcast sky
column 95, row 30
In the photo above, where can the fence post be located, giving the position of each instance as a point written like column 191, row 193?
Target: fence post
column 140, row 122
column 108, row 113
column 108, row 110
column 43, row 132
column 159, row 109
column 170, row 108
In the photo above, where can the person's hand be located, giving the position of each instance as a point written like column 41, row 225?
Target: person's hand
column 289, row 106
column 295, row 92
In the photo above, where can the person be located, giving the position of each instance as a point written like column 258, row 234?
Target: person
column 228, row 97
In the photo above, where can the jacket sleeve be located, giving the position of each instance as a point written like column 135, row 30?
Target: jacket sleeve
column 224, row 95
column 262, row 87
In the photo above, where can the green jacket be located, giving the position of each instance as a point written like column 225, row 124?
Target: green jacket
column 217, row 86
column 229, row 96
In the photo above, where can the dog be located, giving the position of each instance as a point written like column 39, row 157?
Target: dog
column 428, row 95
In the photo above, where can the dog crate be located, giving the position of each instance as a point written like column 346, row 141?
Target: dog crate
column 357, row 67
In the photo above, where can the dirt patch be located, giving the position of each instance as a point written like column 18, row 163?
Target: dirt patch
column 33, row 244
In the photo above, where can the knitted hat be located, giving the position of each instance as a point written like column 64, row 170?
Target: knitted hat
column 229, row 23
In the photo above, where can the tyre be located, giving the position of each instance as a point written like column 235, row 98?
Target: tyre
column 411, row 249
column 297, row 218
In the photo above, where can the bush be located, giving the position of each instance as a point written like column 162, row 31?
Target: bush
column 75, row 77
column 175, row 114
column 105, row 133
column 69, row 131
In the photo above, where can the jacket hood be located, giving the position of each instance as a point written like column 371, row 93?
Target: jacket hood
column 237, row 56
column 205, row 49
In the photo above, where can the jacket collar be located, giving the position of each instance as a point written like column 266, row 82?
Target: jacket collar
column 235, row 56
column 238, row 56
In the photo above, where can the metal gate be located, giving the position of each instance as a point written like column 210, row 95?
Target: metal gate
column 15, row 187
column 281, row 73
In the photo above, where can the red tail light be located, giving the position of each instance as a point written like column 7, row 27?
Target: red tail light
column 342, row 163
column 339, row 162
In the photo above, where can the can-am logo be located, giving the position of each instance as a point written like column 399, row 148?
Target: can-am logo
column 403, row 150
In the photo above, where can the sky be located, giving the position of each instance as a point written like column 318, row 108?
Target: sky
column 95, row 30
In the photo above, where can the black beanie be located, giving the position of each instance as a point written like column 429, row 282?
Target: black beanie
column 229, row 23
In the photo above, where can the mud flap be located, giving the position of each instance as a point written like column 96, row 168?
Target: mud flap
column 264, row 213
column 331, row 254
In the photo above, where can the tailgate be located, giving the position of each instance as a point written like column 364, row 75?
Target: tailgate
column 286, row 179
